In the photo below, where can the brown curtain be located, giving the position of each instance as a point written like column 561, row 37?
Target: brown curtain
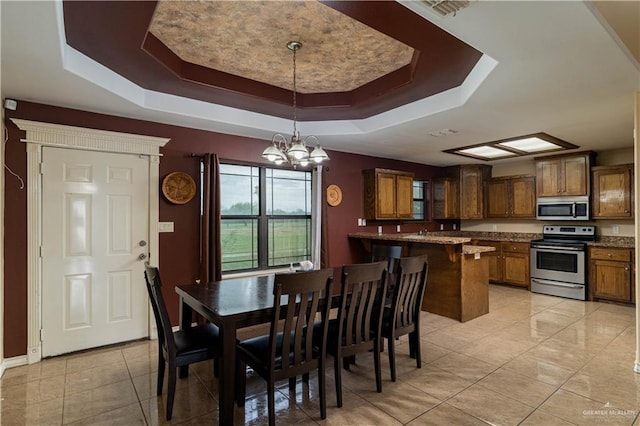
column 210, row 251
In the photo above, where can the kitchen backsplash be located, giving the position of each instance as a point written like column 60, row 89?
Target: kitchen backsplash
column 626, row 228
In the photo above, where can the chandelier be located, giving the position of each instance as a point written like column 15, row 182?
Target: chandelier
column 295, row 151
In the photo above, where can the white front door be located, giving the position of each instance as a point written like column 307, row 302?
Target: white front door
column 95, row 235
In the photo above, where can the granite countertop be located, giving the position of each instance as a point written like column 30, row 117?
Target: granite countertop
column 413, row 238
column 462, row 237
column 617, row 242
column 468, row 249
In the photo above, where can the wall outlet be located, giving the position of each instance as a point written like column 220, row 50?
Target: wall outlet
column 364, row 222
column 165, row 227
column 454, row 226
column 379, row 229
column 397, row 228
column 616, row 229
column 442, row 226
column 495, row 227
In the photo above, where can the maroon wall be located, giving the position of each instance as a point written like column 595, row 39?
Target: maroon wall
column 178, row 250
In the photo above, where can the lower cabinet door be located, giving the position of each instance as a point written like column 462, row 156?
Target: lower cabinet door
column 515, row 267
column 612, row 280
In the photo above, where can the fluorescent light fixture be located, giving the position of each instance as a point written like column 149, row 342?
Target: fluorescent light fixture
column 487, row 151
column 534, row 144
column 513, row 147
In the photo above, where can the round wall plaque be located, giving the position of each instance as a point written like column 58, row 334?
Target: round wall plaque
column 178, row 187
column 334, row 195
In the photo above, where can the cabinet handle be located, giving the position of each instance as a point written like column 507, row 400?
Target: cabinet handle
column 626, row 211
column 609, row 254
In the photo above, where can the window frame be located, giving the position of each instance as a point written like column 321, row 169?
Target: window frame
column 263, row 218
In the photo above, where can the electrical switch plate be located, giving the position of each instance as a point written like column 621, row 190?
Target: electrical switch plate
column 495, row 227
column 616, row 229
column 364, row 222
column 165, row 227
column 442, row 227
column 454, row 226
column 476, row 256
column 359, row 222
column 397, row 228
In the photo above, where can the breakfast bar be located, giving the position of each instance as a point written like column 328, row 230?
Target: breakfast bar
column 458, row 278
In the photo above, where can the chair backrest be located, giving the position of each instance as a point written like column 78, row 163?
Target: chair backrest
column 298, row 299
column 163, row 323
column 363, row 291
column 390, row 254
column 409, row 291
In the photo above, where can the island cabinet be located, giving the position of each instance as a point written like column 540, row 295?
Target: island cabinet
column 388, row 194
column 612, row 192
column 611, row 275
column 564, row 175
column 459, row 194
column 512, row 196
column 509, row 263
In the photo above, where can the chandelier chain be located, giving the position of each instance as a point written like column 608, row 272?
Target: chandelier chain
column 294, row 92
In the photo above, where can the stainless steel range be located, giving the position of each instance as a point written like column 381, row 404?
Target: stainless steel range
column 558, row 261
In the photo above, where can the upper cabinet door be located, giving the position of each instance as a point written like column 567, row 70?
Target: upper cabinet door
column 386, row 197
column 523, row 197
column 576, row 176
column 498, row 198
column 548, row 174
column 404, row 196
column 613, row 192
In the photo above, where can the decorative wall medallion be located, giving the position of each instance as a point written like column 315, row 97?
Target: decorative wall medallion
column 334, row 195
column 178, row 187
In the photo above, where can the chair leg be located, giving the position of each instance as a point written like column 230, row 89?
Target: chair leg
column 337, row 373
column 171, row 389
column 323, row 391
column 392, row 358
column 271, row 396
column 292, row 383
column 415, row 336
column 345, row 362
column 161, row 366
column 305, row 378
column 241, row 383
column 376, row 366
column 184, row 372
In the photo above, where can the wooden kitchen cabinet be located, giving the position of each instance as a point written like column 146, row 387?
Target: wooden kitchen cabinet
column 460, row 193
column 445, row 196
column 613, row 192
column 611, row 274
column 509, row 264
column 512, row 196
column 388, row 194
column 564, row 175
column 515, row 263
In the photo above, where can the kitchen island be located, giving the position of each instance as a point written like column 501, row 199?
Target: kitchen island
column 458, row 277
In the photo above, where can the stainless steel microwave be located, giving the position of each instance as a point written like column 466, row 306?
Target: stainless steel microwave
column 562, row 208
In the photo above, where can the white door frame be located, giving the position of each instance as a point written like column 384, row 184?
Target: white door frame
column 55, row 135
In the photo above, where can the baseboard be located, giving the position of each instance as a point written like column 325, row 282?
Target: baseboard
column 16, row 361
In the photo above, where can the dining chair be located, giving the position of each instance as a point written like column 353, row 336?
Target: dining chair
column 299, row 301
column 403, row 315
column 179, row 348
column 390, row 254
column 357, row 326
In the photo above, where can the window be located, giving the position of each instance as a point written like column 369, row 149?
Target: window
column 420, row 199
column 265, row 217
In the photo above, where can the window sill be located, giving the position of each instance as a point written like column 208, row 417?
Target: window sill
column 261, row 272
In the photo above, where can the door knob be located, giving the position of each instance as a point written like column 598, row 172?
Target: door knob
column 142, row 256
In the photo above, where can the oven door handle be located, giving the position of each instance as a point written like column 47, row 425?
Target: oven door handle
column 556, row 284
column 556, row 248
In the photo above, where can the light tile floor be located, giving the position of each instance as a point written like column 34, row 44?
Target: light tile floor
column 533, row 360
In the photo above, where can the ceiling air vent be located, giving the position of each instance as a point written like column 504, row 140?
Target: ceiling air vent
column 445, row 7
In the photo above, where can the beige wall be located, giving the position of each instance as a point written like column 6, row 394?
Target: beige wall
column 528, row 167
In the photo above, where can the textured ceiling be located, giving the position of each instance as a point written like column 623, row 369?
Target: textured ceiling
column 248, row 39
column 359, row 58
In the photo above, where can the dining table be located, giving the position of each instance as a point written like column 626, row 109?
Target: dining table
column 230, row 304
